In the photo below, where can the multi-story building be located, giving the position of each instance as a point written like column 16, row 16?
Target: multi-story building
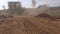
column 14, row 8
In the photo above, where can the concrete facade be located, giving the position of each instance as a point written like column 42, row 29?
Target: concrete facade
column 14, row 8
column 14, row 5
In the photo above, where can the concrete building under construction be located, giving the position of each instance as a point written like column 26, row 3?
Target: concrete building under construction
column 14, row 5
column 14, row 8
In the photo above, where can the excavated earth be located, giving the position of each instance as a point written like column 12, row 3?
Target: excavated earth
column 28, row 25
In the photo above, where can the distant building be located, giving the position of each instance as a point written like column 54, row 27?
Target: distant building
column 14, row 5
column 15, row 8
column 42, row 8
column 54, row 11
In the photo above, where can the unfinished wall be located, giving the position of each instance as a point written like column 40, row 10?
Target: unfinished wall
column 3, row 12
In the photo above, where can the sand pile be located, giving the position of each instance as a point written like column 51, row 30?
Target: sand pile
column 28, row 25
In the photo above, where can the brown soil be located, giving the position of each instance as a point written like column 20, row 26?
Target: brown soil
column 28, row 25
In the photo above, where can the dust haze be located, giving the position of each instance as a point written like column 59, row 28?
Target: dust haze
column 36, row 20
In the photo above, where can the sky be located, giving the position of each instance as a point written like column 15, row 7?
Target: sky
column 28, row 3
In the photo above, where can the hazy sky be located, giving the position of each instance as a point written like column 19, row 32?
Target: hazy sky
column 28, row 4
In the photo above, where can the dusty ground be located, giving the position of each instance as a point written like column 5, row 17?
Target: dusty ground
column 28, row 25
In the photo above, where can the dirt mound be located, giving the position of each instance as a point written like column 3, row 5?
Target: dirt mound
column 28, row 25
column 49, row 17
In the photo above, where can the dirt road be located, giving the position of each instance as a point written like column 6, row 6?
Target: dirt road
column 28, row 25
